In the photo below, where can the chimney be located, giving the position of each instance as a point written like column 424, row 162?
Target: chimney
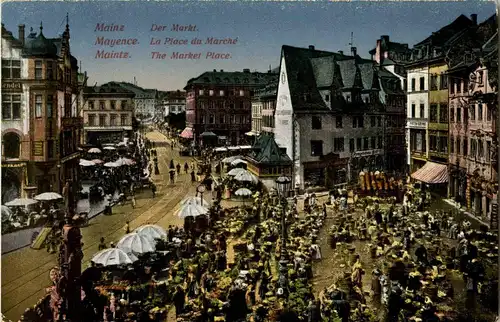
column 311, row 47
column 21, row 34
column 473, row 17
column 385, row 38
column 221, row 70
column 353, row 51
column 215, row 70
column 341, row 52
column 246, row 70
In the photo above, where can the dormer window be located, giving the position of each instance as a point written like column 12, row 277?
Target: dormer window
column 200, row 92
column 221, row 93
column 211, row 92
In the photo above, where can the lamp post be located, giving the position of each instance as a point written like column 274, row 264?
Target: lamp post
column 282, row 187
column 201, row 189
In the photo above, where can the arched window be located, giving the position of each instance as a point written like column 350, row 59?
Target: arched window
column 11, row 145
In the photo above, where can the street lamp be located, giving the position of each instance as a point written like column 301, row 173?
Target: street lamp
column 201, row 189
column 283, row 187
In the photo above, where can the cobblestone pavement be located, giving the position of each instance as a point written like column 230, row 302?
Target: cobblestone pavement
column 25, row 273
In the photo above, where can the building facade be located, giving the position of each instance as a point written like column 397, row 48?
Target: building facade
column 174, row 102
column 41, row 126
column 107, row 114
column 473, row 133
column 145, row 101
column 263, row 108
column 336, row 128
column 427, row 96
column 221, row 102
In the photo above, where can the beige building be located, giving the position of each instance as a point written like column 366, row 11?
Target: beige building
column 107, row 114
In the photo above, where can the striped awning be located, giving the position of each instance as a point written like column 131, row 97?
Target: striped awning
column 432, row 173
column 187, row 133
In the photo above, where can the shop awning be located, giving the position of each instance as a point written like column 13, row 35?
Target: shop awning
column 432, row 173
column 187, row 133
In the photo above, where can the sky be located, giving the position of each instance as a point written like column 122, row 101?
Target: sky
column 261, row 28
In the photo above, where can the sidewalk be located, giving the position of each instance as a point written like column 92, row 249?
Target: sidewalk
column 466, row 213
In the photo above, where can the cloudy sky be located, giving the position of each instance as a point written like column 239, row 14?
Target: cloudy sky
column 261, row 29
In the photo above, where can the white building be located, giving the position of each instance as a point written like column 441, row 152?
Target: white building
column 417, row 116
column 145, row 100
column 174, row 102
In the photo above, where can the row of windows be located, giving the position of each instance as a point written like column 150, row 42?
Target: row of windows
column 223, row 119
column 358, row 144
column 113, row 104
column 223, row 105
column 461, row 85
column 357, row 122
column 438, row 113
column 478, row 148
column 221, row 92
column 11, row 106
column 11, row 69
column 475, row 112
column 438, row 144
column 113, row 120
column 436, row 82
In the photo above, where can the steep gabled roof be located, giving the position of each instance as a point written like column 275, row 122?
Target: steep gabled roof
column 440, row 37
column 266, row 151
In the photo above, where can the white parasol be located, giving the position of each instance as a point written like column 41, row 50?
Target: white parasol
column 122, row 144
column 6, row 213
column 195, row 200
column 243, row 192
column 97, row 161
column 235, row 171
column 238, row 161
column 94, row 150
column 48, row 196
column 109, row 148
column 231, row 159
column 86, row 163
column 125, row 161
column 191, row 209
column 151, row 232
column 246, row 176
column 111, row 165
column 135, row 243
column 113, row 256
column 19, row 202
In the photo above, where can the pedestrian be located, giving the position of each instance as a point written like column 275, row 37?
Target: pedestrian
column 153, row 189
column 186, row 167
column 133, row 201
column 178, row 168
column 193, row 176
column 102, row 244
column 127, row 228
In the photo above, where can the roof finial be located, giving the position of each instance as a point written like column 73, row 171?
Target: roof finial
column 67, row 21
column 41, row 27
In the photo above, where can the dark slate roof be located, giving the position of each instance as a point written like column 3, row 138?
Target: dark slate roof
column 392, row 46
column 8, row 35
column 266, row 151
column 491, row 46
column 440, row 37
column 232, row 78
column 268, row 91
column 324, row 70
column 40, row 46
column 108, row 88
column 140, row 92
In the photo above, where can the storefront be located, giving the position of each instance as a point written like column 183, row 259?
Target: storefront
column 14, row 176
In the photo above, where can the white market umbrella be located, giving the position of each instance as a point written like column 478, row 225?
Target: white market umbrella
column 191, row 209
column 19, row 202
column 243, row 192
column 109, row 148
column 125, row 161
column 122, row 144
column 238, row 161
column 113, row 256
column 97, row 161
column 94, row 150
column 111, row 165
column 48, row 196
column 195, row 200
column 151, row 232
column 86, row 163
column 6, row 213
column 231, row 159
column 235, row 171
column 135, row 243
column 246, row 176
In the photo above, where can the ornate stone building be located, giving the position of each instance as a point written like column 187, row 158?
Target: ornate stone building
column 41, row 126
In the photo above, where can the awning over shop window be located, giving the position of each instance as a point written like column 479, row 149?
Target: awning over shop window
column 432, row 173
column 187, row 133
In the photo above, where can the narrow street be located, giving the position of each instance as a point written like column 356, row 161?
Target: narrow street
column 25, row 272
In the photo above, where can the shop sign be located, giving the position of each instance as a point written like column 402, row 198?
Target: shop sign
column 417, row 124
column 12, row 87
column 13, row 165
column 70, row 157
column 367, row 153
column 38, row 148
column 494, row 216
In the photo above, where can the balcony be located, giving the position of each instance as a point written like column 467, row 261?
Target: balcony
column 438, row 154
column 438, row 126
